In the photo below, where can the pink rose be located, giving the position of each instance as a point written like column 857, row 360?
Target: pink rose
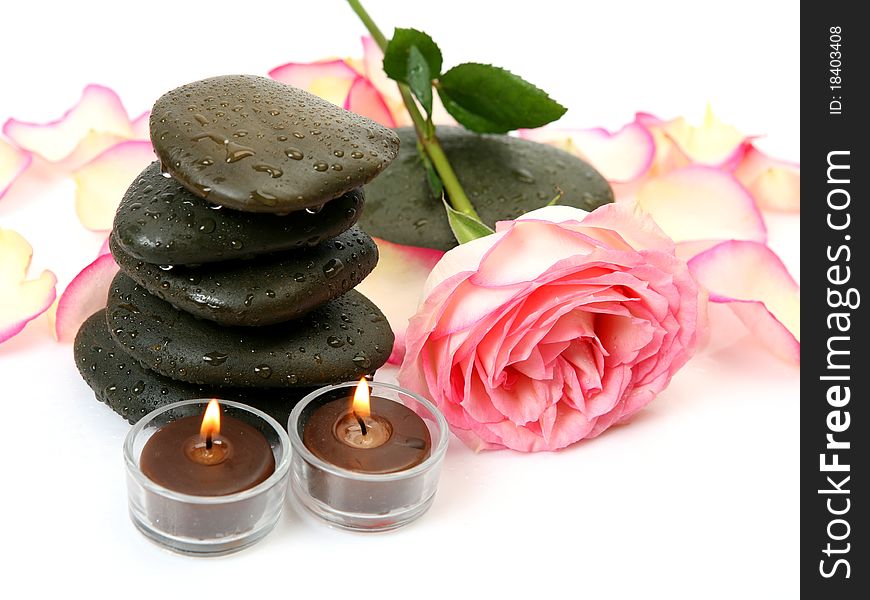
column 552, row 329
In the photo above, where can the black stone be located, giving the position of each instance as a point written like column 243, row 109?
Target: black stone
column 262, row 291
column 159, row 221
column 503, row 176
column 133, row 391
column 254, row 144
column 341, row 340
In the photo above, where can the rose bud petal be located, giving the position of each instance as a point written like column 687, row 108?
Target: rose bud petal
column 775, row 184
column 364, row 99
column 552, row 329
column 21, row 299
column 96, row 122
column 101, row 183
column 13, row 162
column 396, row 284
column 85, row 295
column 621, row 157
column 373, row 69
column 701, row 203
column 752, row 281
column 329, row 79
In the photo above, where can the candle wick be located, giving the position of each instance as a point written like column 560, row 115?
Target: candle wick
column 362, row 424
column 208, row 441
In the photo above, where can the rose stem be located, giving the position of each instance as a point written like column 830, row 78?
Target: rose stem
column 425, row 131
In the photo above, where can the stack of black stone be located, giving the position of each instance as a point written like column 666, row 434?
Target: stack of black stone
column 239, row 255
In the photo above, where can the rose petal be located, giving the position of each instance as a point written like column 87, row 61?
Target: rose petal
column 21, row 300
column 701, row 203
column 396, row 285
column 713, row 143
column 140, row 127
column 96, row 122
column 329, row 79
column 13, row 162
column 620, row 157
column 669, row 155
column 85, row 295
column 364, row 99
column 101, row 183
column 753, row 282
column 775, row 184
column 104, row 247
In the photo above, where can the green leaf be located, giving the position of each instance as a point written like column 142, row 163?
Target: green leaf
column 557, row 197
column 398, row 50
column 419, row 78
column 489, row 99
column 465, row 227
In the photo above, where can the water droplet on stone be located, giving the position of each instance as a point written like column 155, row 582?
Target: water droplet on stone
column 362, row 361
column 313, row 210
column 207, row 225
column 236, row 245
column 332, row 267
column 215, row 358
column 264, row 371
column 335, row 342
column 523, row 175
column 274, row 172
column 320, row 166
column 294, row 153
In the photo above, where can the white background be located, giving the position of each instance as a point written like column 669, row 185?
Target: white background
column 697, row 498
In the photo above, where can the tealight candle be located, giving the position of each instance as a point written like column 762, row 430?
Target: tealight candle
column 369, row 435
column 366, row 462
column 206, row 483
column 207, row 457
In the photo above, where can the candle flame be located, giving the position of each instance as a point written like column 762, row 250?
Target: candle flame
column 211, row 420
column 361, row 399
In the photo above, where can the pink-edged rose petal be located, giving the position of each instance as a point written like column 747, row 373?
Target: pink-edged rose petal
column 140, row 127
column 701, row 203
column 101, row 183
column 96, row 122
column 668, row 155
column 13, row 162
column 712, row 143
column 21, row 299
column 104, row 248
column 85, row 295
column 364, row 99
column 396, row 285
column 752, row 281
column 329, row 79
column 775, row 184
column 620, row 157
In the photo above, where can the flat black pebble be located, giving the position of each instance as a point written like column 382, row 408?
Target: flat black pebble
column 258, row 145
column 261, row 291
column 133, row 391
column 503, row 176
column 341, row 340
column 161, row 222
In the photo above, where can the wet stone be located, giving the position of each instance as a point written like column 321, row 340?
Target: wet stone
column 299, row 352
column 133, row 391
column 503, row 176
column 254, row 144
column 262, row 291
column 160, row 221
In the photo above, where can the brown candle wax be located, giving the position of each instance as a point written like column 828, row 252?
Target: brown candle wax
column 177, row 458
column 395, row 437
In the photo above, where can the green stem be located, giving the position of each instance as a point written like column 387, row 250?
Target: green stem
column 426, row 134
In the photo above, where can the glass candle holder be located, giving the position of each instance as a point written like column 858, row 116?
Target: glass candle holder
column 205, row 525
column 365, row 501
